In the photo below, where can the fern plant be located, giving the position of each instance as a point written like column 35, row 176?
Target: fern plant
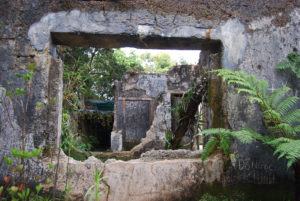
column 278, row 114
column 220, row 139
column 292, row 63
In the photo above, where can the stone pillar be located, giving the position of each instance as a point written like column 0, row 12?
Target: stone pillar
column 116, row 141
column 54, row 110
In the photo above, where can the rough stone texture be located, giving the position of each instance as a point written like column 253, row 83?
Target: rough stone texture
column 149, row 85
column 161, row 122
column 80, row 174
column 266, row 47
column 137, row 180
column 10, row 131
column 10, row 136
column 170, row 154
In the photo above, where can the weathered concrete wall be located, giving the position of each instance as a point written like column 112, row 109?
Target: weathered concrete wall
column 142, row 179
column 255, row 37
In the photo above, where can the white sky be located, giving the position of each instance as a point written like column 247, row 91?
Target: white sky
column 191, row 56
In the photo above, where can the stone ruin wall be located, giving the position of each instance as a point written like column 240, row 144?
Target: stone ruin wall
column 143, row 104
column 253, row 38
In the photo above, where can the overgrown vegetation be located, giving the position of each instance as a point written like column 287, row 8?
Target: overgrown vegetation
column 279, row 116
column 90, row 73
column 187, row 110
column 220, row 197
column 160, row 63
column 70, row 143
column 292, row 63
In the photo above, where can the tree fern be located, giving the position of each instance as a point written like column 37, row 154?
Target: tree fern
column 278, row 115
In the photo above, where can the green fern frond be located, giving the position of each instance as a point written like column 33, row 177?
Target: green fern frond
column 288, row 148
column 216, row 131
column 225, row 143
column 284, row 65
column 275, row 97
column 247, row 135
column 275, row 112
column 276, row 142
column 286, row 128
column 271, row 116
column 252, row 99
column 240, row 83
column 293, row 117
column 287, row 104
column 209, row 147
column 233, row 77
column 262, row 87
column 246, row 91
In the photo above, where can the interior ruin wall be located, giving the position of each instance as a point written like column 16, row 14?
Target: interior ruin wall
column 137, row 96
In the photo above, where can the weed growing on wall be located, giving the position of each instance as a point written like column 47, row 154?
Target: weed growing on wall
column 94, row 191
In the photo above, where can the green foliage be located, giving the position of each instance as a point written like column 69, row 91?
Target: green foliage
column 292, row 63
column 220, row 139
column 185, row 100
column 69, row 139
column 14, row 189
column 25, row 154
column 209, row 147
column 287, row 148
column 105, row 120
column 210, row 197
column 90, row 73
column 94, row 191
column 160, row 63
column 236, row 196
column 277, row 110
column 169, row 137
column 279, row 116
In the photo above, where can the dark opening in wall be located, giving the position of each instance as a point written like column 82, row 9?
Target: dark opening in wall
column 97, row 128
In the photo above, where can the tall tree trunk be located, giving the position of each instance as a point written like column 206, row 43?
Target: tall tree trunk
column 188, row 115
